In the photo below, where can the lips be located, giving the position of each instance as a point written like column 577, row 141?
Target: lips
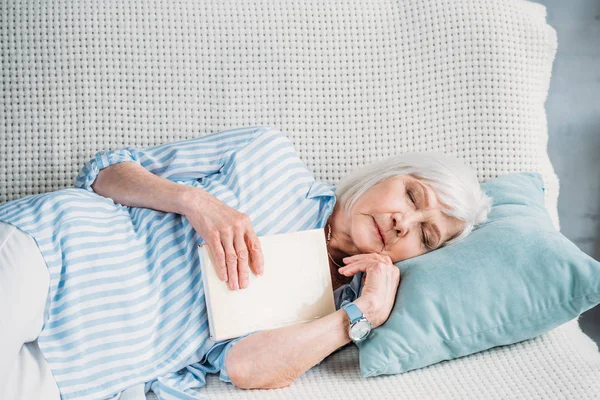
column 379, row 231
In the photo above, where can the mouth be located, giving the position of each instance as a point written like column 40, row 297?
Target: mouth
column 379, row 231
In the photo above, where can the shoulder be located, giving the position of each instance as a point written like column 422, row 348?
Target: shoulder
column 270, row 140
column 267, row 131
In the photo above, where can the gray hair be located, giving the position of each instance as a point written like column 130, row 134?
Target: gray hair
column 455, row 184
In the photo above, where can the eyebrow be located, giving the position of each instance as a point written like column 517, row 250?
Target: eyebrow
column 428, row 204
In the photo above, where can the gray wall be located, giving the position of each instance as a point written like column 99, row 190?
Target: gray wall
column 573, row 109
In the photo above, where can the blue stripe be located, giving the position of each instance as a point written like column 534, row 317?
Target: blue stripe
column 150, row 251
column 231, row 179
column 77, row 235
column 263, row 148
column 166, row 309
column 167, row 271
column 268, row 212
column 202, row 330
column 170, row 164
column 165, row 219
column 204, row 142
column 146, row 349
column 67, row 207
column 17, row 207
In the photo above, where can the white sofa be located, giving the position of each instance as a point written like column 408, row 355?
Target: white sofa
column 350, row 81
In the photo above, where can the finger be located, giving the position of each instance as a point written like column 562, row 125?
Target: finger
column 218, row 254
column 231, row 261
column 349, row 259
column 242, row 261
column 256, row 256
column 354, row 267
column 362, row 256
column 348, row 270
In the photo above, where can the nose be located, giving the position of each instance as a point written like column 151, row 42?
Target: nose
column 404, row 222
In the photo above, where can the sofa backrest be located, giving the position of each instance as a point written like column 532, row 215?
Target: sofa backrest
column 349, row 81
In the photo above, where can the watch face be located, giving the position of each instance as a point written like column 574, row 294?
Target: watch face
column 359, row 330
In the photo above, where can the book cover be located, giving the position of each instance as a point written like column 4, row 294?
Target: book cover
column 295, row 287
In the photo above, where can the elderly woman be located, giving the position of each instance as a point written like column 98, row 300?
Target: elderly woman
column 107, row 278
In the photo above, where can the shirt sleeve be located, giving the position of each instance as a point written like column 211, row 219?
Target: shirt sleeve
column 182, row 160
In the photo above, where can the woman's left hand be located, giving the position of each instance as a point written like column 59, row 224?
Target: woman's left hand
column 365, row 257
column 380, row 284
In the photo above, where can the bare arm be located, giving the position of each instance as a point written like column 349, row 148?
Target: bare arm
column 129, row 184
column 276, row 358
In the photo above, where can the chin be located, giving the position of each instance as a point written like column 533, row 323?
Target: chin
column 370, row 247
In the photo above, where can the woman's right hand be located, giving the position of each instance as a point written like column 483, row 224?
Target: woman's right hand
column 229, row 235
column 381, row 280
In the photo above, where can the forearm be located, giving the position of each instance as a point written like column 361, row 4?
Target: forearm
column 129, row 184
column 276, row 358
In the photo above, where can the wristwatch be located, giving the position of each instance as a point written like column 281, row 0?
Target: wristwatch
column 360, row 327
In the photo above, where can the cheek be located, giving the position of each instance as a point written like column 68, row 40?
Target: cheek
column 364, row 236
column 406, row 247
column 360, row 231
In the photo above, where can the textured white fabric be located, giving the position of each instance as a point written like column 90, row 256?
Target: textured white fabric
column 349, row 81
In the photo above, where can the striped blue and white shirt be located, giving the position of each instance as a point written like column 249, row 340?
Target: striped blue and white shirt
column 126, row 303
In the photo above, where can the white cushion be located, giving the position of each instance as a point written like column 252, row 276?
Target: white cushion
column 560, row 364
column 349, row 81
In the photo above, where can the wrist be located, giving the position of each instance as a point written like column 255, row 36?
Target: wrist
column 368, row 309
column 190, row 198
column 345, row 324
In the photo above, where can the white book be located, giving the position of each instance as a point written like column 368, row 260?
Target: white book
column 295, row 287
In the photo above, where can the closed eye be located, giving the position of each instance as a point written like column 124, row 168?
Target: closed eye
column 424, row 238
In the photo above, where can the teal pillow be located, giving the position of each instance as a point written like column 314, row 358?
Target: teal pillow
column 513, row 278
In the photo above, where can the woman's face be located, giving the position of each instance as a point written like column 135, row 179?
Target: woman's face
column 409, row 218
